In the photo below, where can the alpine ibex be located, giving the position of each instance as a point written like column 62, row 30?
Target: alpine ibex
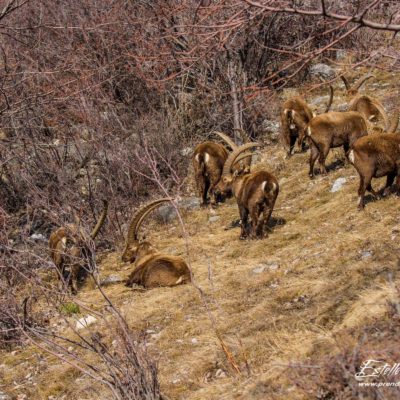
column 295, row 117
column 255, row 193
column 208, row 162
column 152, row 268
column 375, row 156
column 333, row 129
column 71, row 252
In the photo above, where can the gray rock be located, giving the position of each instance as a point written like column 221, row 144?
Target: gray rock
column 109, row 280
column 320, row 100
column 342, row 107
column 341, row 54
column 366, row 254
column 85, row 322
column 323, row 70
column 39, row 237
column 167, row 212
column 270, row 126
column 186, row 151
column 214, row 218
column 338, row 184
column 4, row 396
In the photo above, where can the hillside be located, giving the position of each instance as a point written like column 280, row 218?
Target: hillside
column 283, row 305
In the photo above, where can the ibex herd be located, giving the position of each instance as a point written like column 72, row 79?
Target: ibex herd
column 221, row 173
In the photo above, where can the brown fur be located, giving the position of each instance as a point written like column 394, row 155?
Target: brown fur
column 369, row 108
column 154, row 269
column 255, row 195
column 333, row 129
column 208, row 161
column 71, row 252
column 376, row 156
column 295, row 116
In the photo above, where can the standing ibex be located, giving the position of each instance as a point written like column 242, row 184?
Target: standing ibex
column 208, row 162
column 333, row 129
column 295, row 116
column 71, row 252
column 368, row 106
column 152, row 268
column 375, row 156
column 255, row 193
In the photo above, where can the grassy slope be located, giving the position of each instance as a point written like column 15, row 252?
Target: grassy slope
column 333, row 269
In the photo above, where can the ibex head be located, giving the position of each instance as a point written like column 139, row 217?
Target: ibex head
column 224, row 187
column 136, row 247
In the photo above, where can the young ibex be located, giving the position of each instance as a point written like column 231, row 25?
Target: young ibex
column 152, row 268
column 208, row 162
column 255, row 193
column 70, row 250
column 333, row 129
column 375, row 156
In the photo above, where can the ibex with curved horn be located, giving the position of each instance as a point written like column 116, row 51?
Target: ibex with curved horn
column 71, row 251
column 152, row 268
column 295, row 116
column 255, row 193
column 370, row 107
column 208, row 162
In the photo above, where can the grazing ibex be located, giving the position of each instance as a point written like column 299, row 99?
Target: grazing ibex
column 152, row 268
column 333, row 129
column 295, row 116
column 208, row 162
column 375, row 156
column 255, row 193
column 70, row 250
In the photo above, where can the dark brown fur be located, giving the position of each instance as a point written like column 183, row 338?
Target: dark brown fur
column 295, row 116
column 333, row 129
column 376, row 156
column 208, row 162
column 255, row 195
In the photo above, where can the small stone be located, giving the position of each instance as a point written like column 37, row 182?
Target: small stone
column 273, row 266
column 85, row 322
column 39, row 237
column 323, row 70
column 70, row 349
column 109, row 280
column 260, row 269
column 194, row 341
column 338, row 184
column 4, row 396
column 366, row 254
column 214, row 218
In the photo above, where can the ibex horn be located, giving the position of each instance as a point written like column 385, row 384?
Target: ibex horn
column 358, row 84
column 395, row 122
column 329, row 105
column 227, row 140
column 234, row 155
column 101, row 220
column 139, row 217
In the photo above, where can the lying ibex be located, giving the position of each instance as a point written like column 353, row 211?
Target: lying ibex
column 208, row 162
column 333, row 129
column 295, row 117
column 375, row 156
column 152, row 268
column 255, row 193
column 70, row 250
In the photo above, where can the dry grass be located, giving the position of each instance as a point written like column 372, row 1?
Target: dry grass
column 334, row 263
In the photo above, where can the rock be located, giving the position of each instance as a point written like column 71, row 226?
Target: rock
column 342, row 107
column 4, row 396
column 194, row 341
column 323, row 70
column 186, row 151
column 214, row 218
column 167, row 212
column 366, row 254
column 39, row 237
column 109, row 280
column 85, row 322
column 341, row 54
column 270, row 126
column 260, row 268
column 338, row 184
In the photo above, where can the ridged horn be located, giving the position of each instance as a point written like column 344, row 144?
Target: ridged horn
column 345, row 81
column 139, row 217
column 101, row 220
column 382, row 111
column 234, row 155
column 395, row 122
column 227, row 140
column 360, row 81
column 329, row 105
column 244, row 156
